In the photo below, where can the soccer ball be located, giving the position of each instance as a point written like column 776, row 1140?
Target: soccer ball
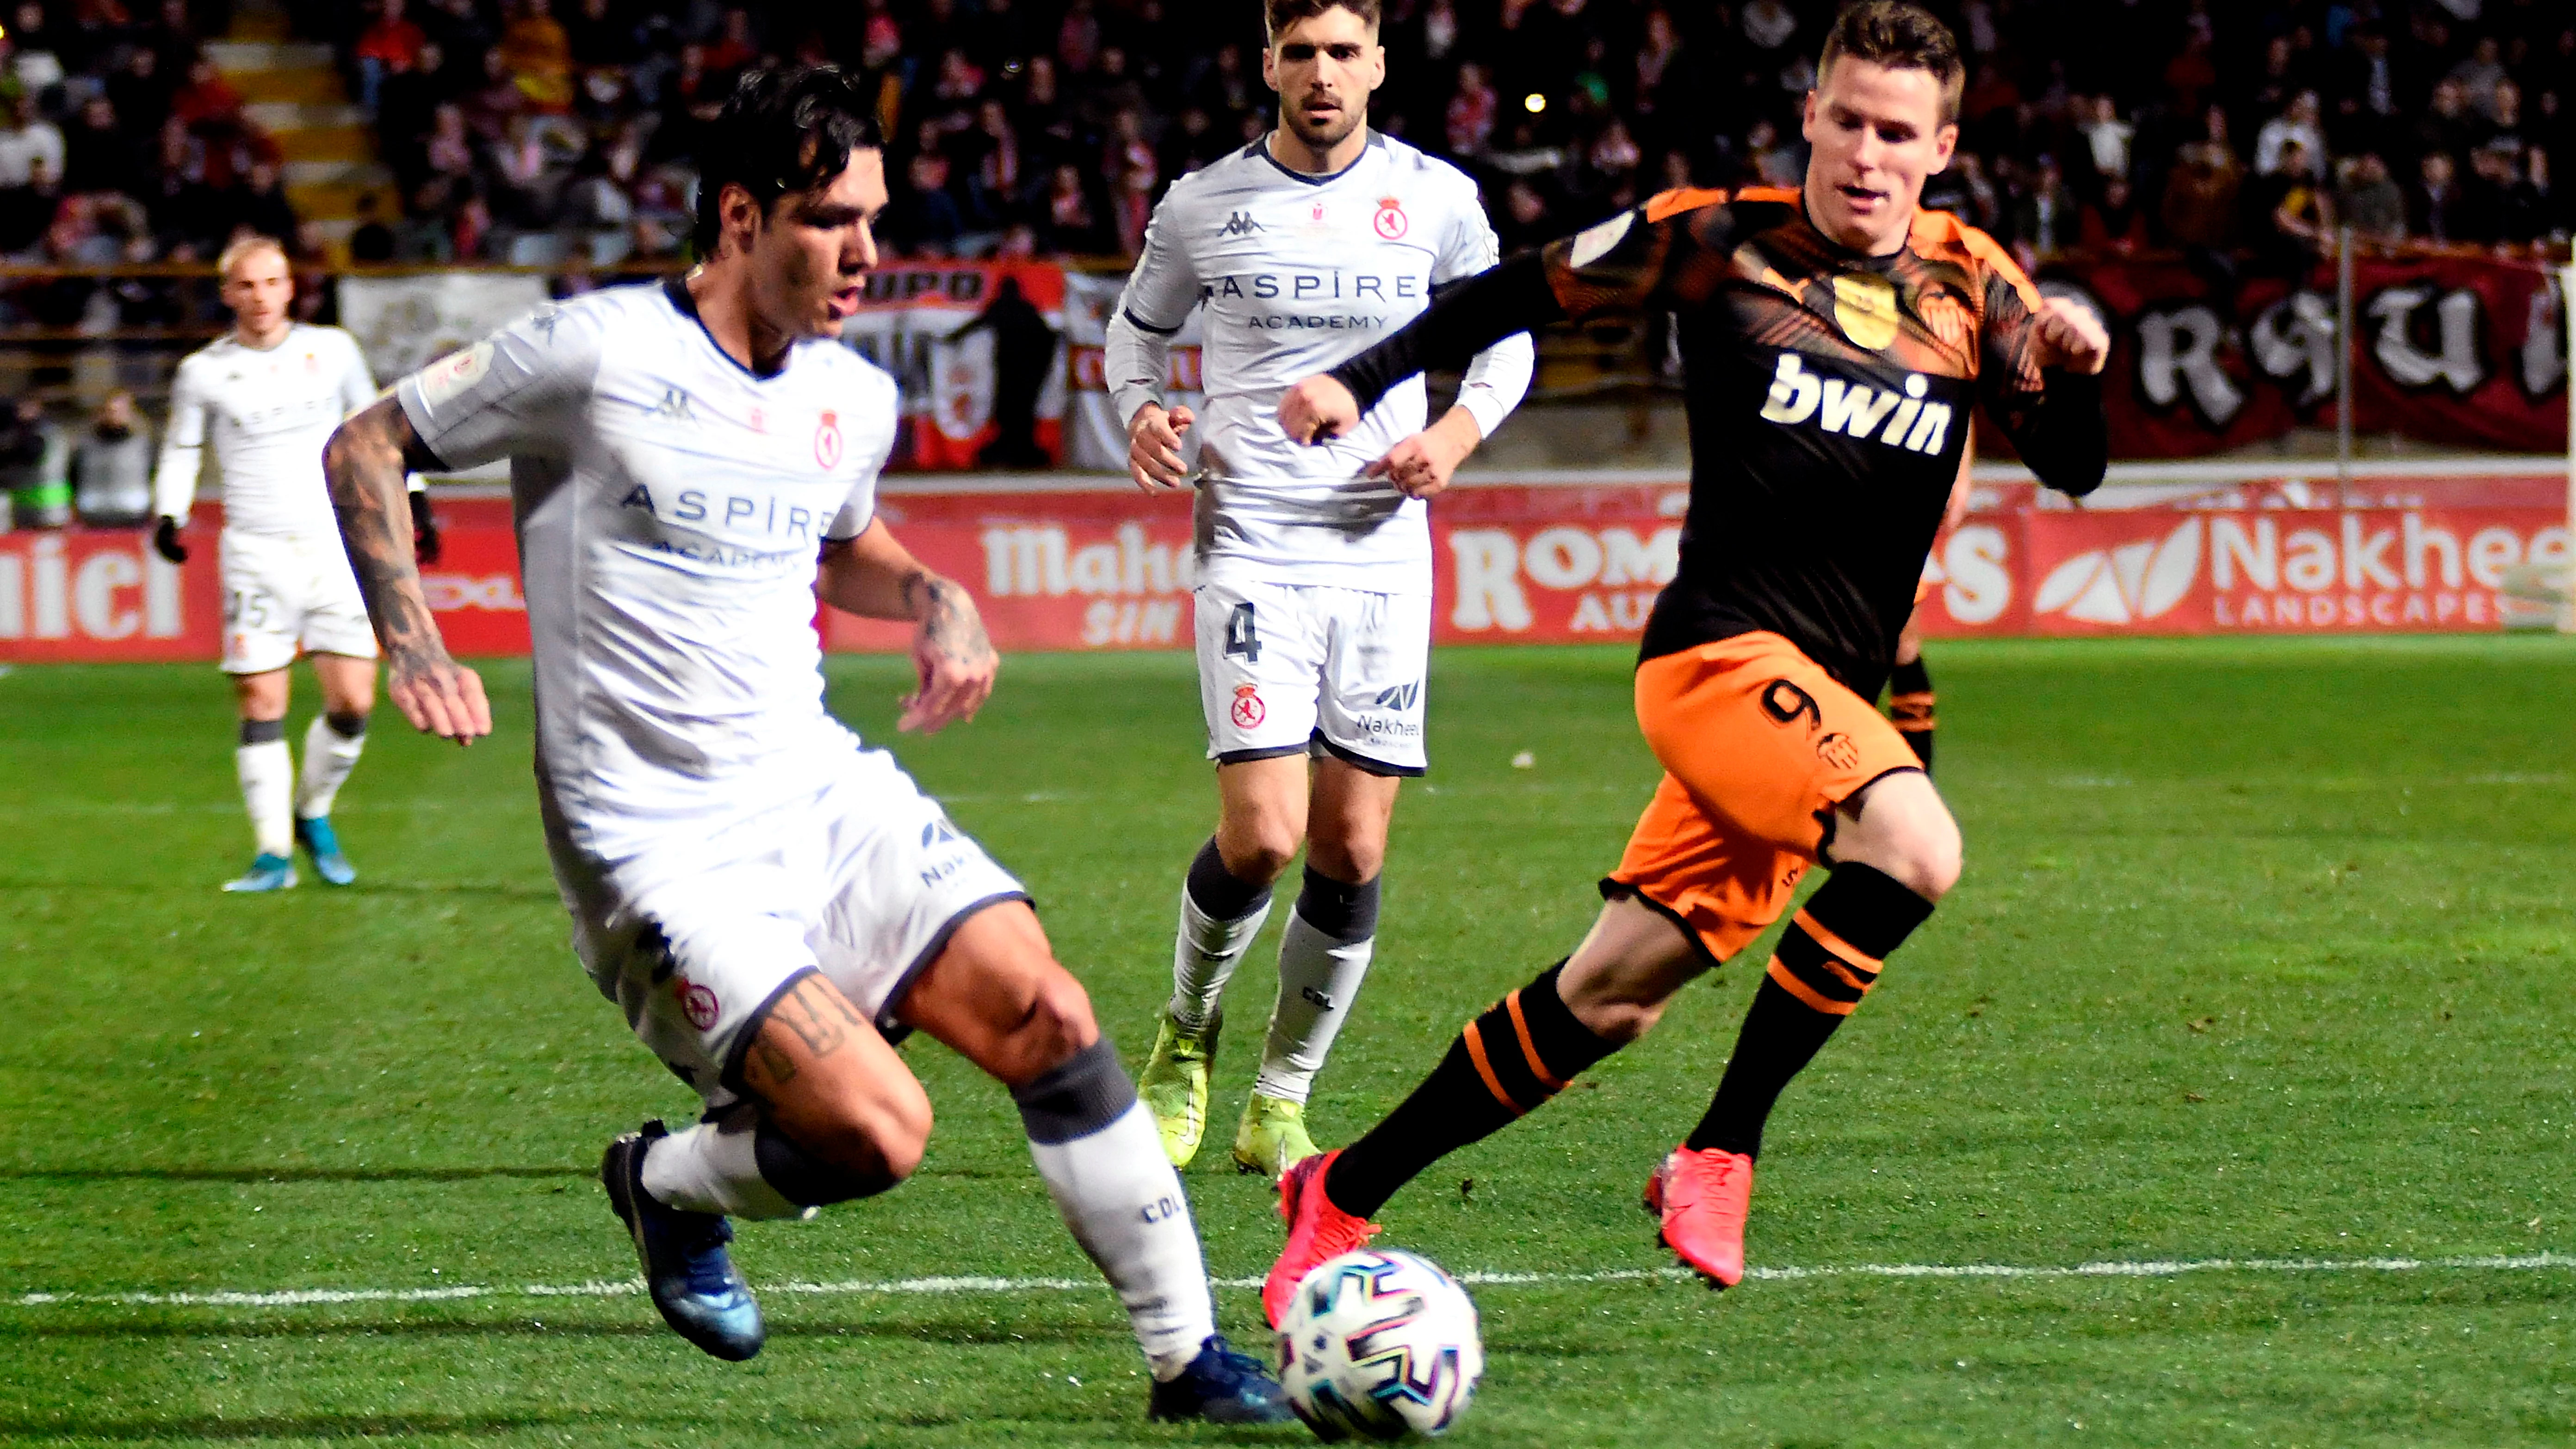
column 1380, row 1344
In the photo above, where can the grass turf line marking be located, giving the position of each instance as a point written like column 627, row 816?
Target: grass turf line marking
column 2151, row 1268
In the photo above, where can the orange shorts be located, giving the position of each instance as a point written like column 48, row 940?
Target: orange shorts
column 1758, row 744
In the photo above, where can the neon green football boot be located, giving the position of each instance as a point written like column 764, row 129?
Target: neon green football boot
column 1272, row 1137
column 1174, row 1086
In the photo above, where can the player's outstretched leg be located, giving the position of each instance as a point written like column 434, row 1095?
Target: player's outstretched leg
column 1898, row 855
column 834, row 1116
column 1221, row 912
column 1521, row 1052
column 997, row 996
column 266, row 769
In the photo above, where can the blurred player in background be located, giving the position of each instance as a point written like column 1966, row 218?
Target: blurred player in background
column 1313, row 600
column 771, row 904
column 1834, row 342
column 267, row 396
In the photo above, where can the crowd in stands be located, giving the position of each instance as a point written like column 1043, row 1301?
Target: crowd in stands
column 1053, row 125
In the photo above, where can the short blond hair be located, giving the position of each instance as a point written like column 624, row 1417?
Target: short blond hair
column 246, row 247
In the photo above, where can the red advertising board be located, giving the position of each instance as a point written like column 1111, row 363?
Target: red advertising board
column 1105, row 568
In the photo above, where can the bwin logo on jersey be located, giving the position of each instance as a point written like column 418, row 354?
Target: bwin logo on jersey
column 1239, row 224
column 1402, row 696
column 1798, row 395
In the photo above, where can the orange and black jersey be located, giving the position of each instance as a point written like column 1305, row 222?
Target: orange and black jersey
column 1829, row 396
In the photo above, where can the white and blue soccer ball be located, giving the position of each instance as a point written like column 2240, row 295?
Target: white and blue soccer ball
column 1379, row 1344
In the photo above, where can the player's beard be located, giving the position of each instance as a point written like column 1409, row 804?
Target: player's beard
column 1323, row 138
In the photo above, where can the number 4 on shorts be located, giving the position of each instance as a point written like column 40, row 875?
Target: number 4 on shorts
column 1240, row 635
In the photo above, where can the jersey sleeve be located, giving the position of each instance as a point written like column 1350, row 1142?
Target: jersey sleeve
column 860, row 508
column 517, row 392
column 1642, row 258
column 2054, row 417
column 183, row 442
column 1152, row 306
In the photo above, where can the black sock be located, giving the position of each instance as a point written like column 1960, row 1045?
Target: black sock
column 1521, row 1052
column 1910, row 708
column 1220, row 893
column 1827, row 961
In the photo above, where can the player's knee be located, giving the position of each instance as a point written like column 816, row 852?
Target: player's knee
column 867, row 1145
column 1927, row 861
column 1350, row 852
column 1615, row 1019
column 1259, row 849
column 1056, row 1025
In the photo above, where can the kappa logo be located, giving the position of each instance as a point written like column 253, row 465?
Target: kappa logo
column 2127, row 583
column 1248, row 710
column 1402, row 696
column 1239, row 224
column 545, row 320
column 675, row 406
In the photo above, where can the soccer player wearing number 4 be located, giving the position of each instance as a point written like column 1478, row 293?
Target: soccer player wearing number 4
column 1313, row 602
column 1834, row 340
column 267, row 396
column 770, row 904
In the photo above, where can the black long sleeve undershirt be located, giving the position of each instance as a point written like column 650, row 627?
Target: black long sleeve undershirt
column 2063, row 436
column 1463, row 320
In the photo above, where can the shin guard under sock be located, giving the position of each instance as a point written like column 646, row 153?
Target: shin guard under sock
column 1827, row 961
column 1910, row 708
column 1505, row 1063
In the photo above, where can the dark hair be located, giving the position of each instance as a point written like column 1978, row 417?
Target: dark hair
column 782, row 130
column 1901, row 36
column 1278, row 15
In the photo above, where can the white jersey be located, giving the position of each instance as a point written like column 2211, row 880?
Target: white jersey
column 670, row 504
column 1298, row 273
column 268, row 414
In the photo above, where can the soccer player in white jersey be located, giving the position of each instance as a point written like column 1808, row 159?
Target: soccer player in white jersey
column 769, row 903
column 267, row 395
column 1314, row 586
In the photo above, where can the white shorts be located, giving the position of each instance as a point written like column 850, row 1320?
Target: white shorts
column 864, row 881
column 284, row 595
column 1288, row 668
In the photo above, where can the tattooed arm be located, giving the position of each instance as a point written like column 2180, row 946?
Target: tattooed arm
column 875, row 577
column 366, row 461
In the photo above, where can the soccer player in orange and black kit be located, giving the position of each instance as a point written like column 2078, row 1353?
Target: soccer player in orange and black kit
column 1834, row 339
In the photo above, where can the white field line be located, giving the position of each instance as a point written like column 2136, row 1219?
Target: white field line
column 861, row 1287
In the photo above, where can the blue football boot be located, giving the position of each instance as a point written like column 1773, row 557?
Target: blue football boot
column 1221, row 1387
column 322, row 843
column 685, row 1264
column 267, row 873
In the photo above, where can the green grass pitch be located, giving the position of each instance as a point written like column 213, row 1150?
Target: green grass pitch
column 2262, row 953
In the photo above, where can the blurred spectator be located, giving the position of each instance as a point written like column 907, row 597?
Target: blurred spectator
column 2369, row 200
column 371, row 242
column 27, row 140
column 391, row 43
column 2044, row 220
column 111, row 467
column 1468, row 124
column 2199, row 207
column 537, row 55
column 2299, row 125
column 99, row 154
column 34, row 466
column 2113, row 222
column 2106, row 141
column 2434, row 204
column 2290, row 216
column 1023, row 347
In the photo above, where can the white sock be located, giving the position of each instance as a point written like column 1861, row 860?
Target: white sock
column 267, row 774
column 1319, row 978
column 1204, row 957
column 329, row 756
column 711, row 1168
column 1123, row 1201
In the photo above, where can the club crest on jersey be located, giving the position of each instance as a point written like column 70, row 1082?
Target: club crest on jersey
column 827, row 441
column 1248, row 709
column 1904, row 419
column 698, row 1003
column 1389, row 221
column 1865, row 308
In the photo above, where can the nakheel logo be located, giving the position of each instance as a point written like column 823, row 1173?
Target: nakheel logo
column 2125, row 584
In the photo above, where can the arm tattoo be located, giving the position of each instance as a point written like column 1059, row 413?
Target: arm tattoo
column 949, row 619
column 365, row 463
